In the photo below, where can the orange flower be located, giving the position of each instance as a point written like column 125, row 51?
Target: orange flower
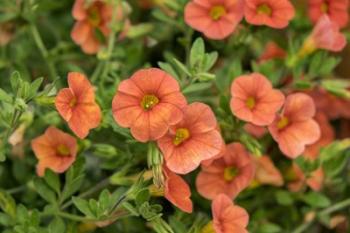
column 325, row 35
column 327, row 136
column 254, row 100
column 299, row 180
column 273, row 13
column 254, row 130
column 295, row 127
column 337, row 10
column 192, row 140
column 266, row 172
column 272, row 51
column 54, row 149
column 177, row 191
column 93, row 20
column 228, row 217
column 215, row 19
column 229, row 174
column 148, row 102
column 77, row 105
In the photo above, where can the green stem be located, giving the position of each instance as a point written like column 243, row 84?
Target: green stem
column 45, row 54
column 73, row 217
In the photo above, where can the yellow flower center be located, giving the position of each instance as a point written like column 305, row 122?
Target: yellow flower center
column 324, row 7
column 230, row 173
column 209, row 228
column 250, row 102
column 217, row 12
column 73, row 102
column 181, row 135
column 283, row 122
column 94, row 16
column 149, row 101
column 63, row 150
column 264, row 9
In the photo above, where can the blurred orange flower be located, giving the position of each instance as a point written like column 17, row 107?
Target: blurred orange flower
column 295, row 127
column 77, row 105
column 273, row 13
column 228, row 217
column 192, row 140
column 254, row 100
column 266, row 172
column 299, row 179
column 215, row 19
column 93, row 20
column 325, row 35
column 54, row 149
column 254, row 130
column 337, row 10
column 148, row 102
column 177, row 191
column 272, row 51
column 229, row 174
column 327, row 136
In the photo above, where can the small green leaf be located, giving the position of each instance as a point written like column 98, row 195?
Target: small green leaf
column 142, row 196
column 269, row 228
column 7, row 204
column 57, row 225
column 52, row 180
column 44, row 191
column 15, row 80
column 5, row 97
column 197, row 53
column 83, row 206
column 182, row 67
column 284, row 198
column 196, row 87
column 317, row 200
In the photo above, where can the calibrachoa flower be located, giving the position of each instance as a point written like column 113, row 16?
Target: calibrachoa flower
column 327, row 136
column 177, row 191
column 299, row 179
column 273, row 13
column 272, row 51
column 325, row 35
column 215, row 19
column 254, row 130
column 254, row 100
column 192, row 140
column 92, row 18
column 266, row 172
column 229, row 174
column 228, row 217
column 77, row 105
column 295, row 127
column 148, row 103
column 337, row 10
column 54, row 149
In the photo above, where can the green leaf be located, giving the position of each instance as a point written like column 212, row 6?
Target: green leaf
column 57, row 225
column 7, row 204
column 74, row 178
column 44, row 191
column 317, row 200
column 139, row 30
column 15, row 81
column 132, row 210
column 284, row 198
column 269, row 228
column 197, row 53
column 5, row 97
column 142, row 197
column 52, row 180
column 196, row 87
column 104, row 200
column 34, row 87
column 209, row 60
column 182, row 67
column 83, row 206
column 169, row 69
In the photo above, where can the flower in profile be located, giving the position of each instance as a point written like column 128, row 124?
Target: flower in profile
column 272, row 51
column 92, row 24
column 325, row 35
column 254, row 130
column 228, row 217
column 55, row 150
column 298, row 179
column 177, row 191
column 327, row 136
column 148, row 103
column 230, row 174
column 194, row 139
column 337, row 10
column 295, row 127
column 77, row 105
column 273, row 13
column 215, row 19
column 266, row 172
column 254, row 100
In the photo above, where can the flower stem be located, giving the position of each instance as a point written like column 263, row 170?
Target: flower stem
column 45, row 54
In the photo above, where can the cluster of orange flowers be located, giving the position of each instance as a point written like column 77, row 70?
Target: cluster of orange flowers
column 151, row 105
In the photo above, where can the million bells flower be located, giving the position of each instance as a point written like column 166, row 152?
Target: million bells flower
column 54, row 149
column 193, row 140
column 77, row 105
column 148, row 103
column 215, row 19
